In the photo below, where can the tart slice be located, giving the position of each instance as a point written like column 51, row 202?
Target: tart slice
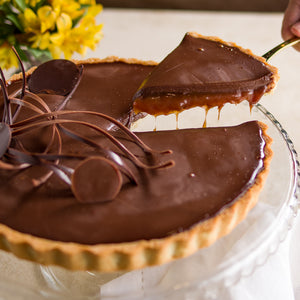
column 207, row 72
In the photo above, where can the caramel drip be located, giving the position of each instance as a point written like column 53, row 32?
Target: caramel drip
column 219, row 111
column 177, row 123
column 205, row 117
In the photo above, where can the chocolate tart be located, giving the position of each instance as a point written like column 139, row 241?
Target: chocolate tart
column 207, row 72
column 173, row 192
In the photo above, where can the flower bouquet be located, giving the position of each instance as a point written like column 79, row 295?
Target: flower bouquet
column 45, row 29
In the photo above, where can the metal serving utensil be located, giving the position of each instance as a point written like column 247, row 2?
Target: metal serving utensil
column 283, row 45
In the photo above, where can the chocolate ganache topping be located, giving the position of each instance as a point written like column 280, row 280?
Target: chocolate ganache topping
column 16, row 156
column 68, row 178
column 204, row 72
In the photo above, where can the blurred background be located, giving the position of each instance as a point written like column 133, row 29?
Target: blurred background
column 221, row 5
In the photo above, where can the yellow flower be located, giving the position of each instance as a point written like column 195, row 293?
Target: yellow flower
column 89, row 31
column 71, row 8
column 7, row 57
column 64, row 23
column 61, row 26
column 94, row 10
column 47, row 18
column 87, row 2
column 30, row 21
column 55, row 51
column 32, row 3
column 40, row 41
column 76, row 39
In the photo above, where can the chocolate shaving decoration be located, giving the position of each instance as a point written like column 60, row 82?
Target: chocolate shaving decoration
column 57, row 77
column 96, row 179
column 105, row 168
column 5, row 138
column 7, row 117
column 23, row 72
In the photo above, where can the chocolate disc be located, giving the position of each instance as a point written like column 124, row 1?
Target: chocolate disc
column 96, row 179
column 5, row 138
column 54, row 77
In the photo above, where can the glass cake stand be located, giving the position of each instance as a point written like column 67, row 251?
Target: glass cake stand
column 209, row 270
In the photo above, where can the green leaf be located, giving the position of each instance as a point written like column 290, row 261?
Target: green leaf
column 6, row 30
column 40, row 54
column 14, row 19
column 21, row 4
column 6, row 8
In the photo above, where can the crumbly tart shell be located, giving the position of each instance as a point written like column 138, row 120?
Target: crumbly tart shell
column 142, row 253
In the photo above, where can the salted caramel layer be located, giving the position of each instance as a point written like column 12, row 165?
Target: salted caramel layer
column 213, row 168
column 204, row 72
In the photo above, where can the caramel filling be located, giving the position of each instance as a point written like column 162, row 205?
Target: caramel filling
column 167, row 104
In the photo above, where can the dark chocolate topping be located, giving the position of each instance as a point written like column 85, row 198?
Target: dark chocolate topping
column 105, row 158
column 104, row 87
column 213, row 168
column 201, row 67
column 108, row 88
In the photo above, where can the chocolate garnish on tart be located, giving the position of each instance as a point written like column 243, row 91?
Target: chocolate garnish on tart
column 103, row 157
column 162, row 204
column 57, row 77
column 207, row 72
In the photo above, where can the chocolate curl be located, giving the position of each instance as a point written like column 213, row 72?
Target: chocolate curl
column 27, row 105
column 61, row 172
column 22, row 90
column 33, row 159
column 130, row 134
column 66, row 100
column 43, row 179
column 7, row 117
column 55, row 131
column 5, row 138
column 10, row 167
column 105, row 152
column 45, row 117
column 130, row 155
column 23, row 72
column 38, row 100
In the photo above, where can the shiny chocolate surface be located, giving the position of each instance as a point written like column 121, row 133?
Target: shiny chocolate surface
column 202, row 72
column 211, row 168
